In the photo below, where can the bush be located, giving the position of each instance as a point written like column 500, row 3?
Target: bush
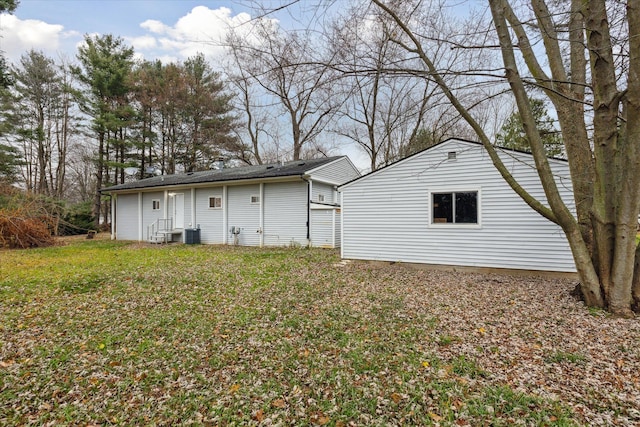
column 25, row 221
column 16, row 206
column 19, row 228
column 77, row 219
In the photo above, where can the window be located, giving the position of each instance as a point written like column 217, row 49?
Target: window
column 155, row 205
column 320, row 198
column 215, row 202
column 255, row 200
column 455, row 208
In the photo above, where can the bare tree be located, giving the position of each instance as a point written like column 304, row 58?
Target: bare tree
column 43, row 121
column 591, row 78
column 81, row 172
column 247, row 100
column 282, row 64
column 392, row 108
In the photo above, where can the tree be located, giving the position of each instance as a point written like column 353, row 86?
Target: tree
column 513, row 136
column 6, row 6
column 9, row 164
column 256, row 116
column 384, row 107
column 6, row 79
column 183, row 116
column 104, row 71
column 206, row 115
column 281, row 64
column 42, row 121
column 591, row 79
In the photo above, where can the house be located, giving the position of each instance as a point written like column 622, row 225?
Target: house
column 448, row 205
column 294, row 203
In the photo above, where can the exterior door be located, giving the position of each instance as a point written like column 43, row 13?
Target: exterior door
column 178, row 210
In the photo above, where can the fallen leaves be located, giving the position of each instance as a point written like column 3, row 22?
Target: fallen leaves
column 278, row 403
column 280, row 337
column 319, row 419
column 435, row 417
column 6, row 363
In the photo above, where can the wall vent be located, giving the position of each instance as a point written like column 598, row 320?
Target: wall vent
column 452, row 155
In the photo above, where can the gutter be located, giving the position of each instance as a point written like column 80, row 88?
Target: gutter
column 169, row 187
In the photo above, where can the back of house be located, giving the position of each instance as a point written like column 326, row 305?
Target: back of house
column 294, row 203
column 448, row 205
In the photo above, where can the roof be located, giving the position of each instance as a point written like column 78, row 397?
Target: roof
column 273, row 170
column 446, row 141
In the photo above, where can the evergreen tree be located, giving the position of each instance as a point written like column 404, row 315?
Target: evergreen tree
column 6, row 6
column 207, row 115
column 513, row 136
column 104, row 71
column 9, row 164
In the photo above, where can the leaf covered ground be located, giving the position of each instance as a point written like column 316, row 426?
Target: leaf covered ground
column 113, row 333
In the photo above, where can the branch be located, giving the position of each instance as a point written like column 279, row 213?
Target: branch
column 495, row 158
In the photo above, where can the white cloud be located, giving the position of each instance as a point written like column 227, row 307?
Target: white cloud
column 142, row 42
column 154, row 26
column 20, row 36
column 202, row 30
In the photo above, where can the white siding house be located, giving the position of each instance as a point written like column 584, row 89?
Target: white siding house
column 272, row 205
column 448, row 205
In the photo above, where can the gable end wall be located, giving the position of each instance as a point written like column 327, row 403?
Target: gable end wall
column 338, row 172
column 386, row 216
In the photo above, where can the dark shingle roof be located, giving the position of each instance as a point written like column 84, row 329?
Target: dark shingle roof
column 274, row 170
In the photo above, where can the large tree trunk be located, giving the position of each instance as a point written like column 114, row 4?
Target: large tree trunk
column 589, row 280
column 604, row 155
column 632, row 141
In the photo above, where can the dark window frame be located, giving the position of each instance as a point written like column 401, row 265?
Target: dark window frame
column 214, row 198
column 455, row 207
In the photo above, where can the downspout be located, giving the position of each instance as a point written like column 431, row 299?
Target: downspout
column 333, row 228
column 193, row 207
column 140, row 219
column 334, row 200
column 261, row 220
column 113, row 216
column 166, row 204
column 341, row 225
column 309, row 182
column 225, row 219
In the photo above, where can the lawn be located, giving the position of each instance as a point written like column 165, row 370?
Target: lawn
column 114, row 333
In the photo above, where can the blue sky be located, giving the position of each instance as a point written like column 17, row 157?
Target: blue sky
column 170, row 30
column 113, row 16
column 165, row 29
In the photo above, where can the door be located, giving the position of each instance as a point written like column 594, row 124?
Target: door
column 178, row 210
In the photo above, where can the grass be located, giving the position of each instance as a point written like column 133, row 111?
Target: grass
column 565, row 357
column 102, row 332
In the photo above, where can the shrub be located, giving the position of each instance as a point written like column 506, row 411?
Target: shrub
column 19, row 228
column 77, row 219
column 25, row 221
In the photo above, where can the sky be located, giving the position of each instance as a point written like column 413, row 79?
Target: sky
column 170, row 30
